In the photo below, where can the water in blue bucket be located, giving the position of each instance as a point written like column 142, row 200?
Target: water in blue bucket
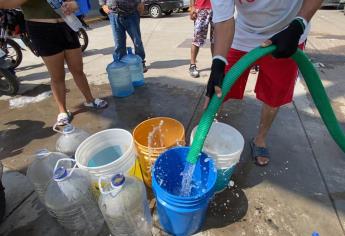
column 182, row 215
column 105, row 156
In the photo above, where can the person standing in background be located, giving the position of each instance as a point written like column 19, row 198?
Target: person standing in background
column 201, row 14
column 124, row 16
column 57, row 43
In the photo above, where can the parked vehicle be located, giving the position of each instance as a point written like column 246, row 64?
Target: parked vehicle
column 8, row 81
column 342, row 3
column 185, row 6
column 8, row 45
column 330, row 3
column 12, row 25
column 156, row 8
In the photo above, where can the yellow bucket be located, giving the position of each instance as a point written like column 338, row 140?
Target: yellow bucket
column 154, row 136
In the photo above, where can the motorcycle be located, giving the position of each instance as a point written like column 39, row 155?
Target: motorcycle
column 9, row 83
column 13, row 25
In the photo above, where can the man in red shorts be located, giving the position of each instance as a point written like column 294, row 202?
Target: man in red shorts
column 201, row 14
column 282, row 23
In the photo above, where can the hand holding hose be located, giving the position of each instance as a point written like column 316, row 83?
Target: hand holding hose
column 288, row 39
column 215, row 81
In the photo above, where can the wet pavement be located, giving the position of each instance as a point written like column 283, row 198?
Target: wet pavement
column 301, row 191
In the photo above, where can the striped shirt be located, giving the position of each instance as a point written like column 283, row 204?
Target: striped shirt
column 121, row 6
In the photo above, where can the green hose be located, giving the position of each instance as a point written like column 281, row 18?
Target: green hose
column 313, row 82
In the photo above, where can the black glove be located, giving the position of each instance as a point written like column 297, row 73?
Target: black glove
column 288, row 39
column 216, row 77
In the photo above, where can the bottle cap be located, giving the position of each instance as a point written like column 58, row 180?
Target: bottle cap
column 42, row 153
column 117, row 180
column 60, row 173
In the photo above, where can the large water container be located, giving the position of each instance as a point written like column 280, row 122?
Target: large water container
column 182, row 215
column 125, row 207
column 135, row 64
column 120, row 79
column 69, row 200
column 40, row 172
column 70, row 139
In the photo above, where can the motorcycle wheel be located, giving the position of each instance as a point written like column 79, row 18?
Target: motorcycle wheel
column 83, row 39
column 13, row 52
column 9, row 84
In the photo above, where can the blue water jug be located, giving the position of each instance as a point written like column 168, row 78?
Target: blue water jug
column 135, row 64
column 120, row 79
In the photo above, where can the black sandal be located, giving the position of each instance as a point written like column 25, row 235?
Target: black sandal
column 259, row 152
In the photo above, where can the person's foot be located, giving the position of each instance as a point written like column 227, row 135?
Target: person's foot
column 260, row 152
column 193, row 71
column 145, row 69
column 64, row 118
column 96, row 104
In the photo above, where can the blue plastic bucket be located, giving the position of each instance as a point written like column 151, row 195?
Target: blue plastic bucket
column 182, row 215
column 223, row 178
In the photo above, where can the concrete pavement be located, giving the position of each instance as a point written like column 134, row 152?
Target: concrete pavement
column 301, row 191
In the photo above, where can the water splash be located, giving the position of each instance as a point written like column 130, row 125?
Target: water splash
column 187, row 175
column 152, row 142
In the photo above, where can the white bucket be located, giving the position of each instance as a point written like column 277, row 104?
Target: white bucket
column 100, row 141
column 223, row 143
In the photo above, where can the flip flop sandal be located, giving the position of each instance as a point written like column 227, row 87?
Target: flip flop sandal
column 64, row 118
column 259, row 152
column 96, row 104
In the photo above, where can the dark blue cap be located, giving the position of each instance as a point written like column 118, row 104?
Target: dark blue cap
column 117, row 180
column 60, row 173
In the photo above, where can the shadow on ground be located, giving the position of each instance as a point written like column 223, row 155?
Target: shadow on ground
column 19, row 134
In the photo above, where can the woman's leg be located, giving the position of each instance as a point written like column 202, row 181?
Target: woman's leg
column 75, row 65
column 55, row 66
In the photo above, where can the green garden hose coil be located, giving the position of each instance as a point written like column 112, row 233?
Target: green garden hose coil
column 311, row 78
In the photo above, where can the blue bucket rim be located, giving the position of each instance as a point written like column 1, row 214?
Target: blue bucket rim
column 209, row 192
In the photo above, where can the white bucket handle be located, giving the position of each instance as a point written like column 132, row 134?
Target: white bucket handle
column 68, row 174
column 102, row 190
column 56, row 130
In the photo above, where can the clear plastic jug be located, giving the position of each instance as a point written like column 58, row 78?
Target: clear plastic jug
column 70, row 139
column 135, row 64
column 40, row 172
column 71, row 20
column 125, row 207
column 70, row 201
column 120, row 79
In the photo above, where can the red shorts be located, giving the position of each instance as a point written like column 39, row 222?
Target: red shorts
column 275, row 83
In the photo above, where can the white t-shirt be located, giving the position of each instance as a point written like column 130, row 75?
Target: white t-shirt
column 256, row 20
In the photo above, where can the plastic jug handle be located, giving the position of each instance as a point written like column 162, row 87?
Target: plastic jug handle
column 57, row 130
column 70, row 173
column 100, row 186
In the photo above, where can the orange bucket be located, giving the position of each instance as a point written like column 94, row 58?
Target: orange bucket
column 154, row 136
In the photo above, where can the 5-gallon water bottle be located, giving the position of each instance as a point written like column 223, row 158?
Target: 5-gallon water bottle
column 71, row 20
column 70, row 201
column 135, row 64
column 120, row 79
column 125, row 207
column 70, row 139
column 40, row 172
